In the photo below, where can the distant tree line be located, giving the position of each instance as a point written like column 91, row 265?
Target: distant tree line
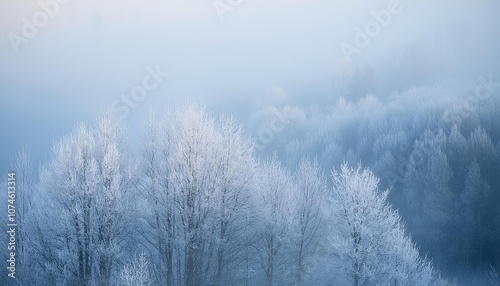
column 437, row 153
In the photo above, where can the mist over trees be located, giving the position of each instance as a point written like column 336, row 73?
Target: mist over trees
column 338, row 142
column 380, row 191
column 436, row 149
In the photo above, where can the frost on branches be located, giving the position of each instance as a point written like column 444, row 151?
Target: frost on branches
column 370, row 238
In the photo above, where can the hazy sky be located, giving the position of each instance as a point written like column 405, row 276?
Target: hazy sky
column 88, row 53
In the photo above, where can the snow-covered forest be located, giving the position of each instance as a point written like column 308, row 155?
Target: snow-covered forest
column 230, row 142
column 196, row 207
column 366, row 193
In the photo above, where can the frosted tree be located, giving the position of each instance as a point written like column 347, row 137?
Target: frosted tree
column 428, row 195
column 234, row 171
column 192, row 177
column 310, row 219
column 116, row 169
column 197, row 177
column 473, row 201
column 459, row 157
column 402, row 261
column 275, row 191
column 88, row 178
column 370, row 238
column 72, row 178
column 136, row 273
column 483, row 149
column 49, row 239
column 159, row 195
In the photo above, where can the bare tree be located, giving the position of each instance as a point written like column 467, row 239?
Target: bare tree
column 136, row 273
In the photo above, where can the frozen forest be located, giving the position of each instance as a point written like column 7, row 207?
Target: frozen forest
column 368, row 194
column 249, row 143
